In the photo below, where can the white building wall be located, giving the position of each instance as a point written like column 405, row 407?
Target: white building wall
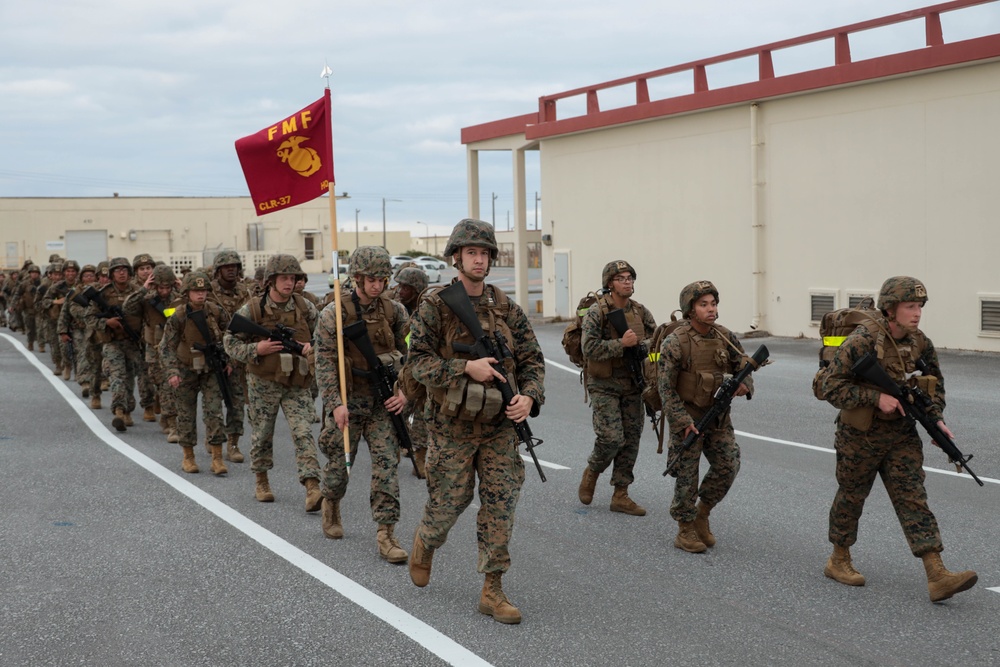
column 857, row 184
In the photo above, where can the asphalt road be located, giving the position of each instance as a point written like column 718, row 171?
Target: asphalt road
column 113, row 556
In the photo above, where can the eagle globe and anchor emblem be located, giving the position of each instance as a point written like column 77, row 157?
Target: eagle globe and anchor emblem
column 305, row 161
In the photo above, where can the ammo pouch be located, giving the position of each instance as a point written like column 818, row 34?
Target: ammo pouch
column 698, row 388
column 599, row 369
column 469, row 401
column 198, row 361
column 927, row 384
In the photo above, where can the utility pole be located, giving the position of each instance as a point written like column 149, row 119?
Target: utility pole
column 537, row 199
column 384, row 200
column 494, row 210
column 357, row 236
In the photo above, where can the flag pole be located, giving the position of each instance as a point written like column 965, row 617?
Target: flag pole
column 336, row 270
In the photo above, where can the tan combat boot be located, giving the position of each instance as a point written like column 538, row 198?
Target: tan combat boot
column 493, row 602
column 263, row 490
column 419, row 458
column 41, row 347
column 687, row 538
column 840, row 568
column 420, row 561
column 31, row 347
column 148, row 415
column 233, row 452
column 941, row 583
column 701, row 525
column 218, row 467
column 164, row 424
column 57, row 371
column 85, row 389
column 95, row 402
column 587, row 485
column 105, row 384
column 332, row 526
column 188, row 464
column 388, row 545
column 620, row 502
column 67, row 372
column 118, row 421
column 313, row 497
column 128, row 419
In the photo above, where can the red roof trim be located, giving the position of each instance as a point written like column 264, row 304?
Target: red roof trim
column 937, row 54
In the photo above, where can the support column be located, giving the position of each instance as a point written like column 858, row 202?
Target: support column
column 520, row 232
column 472, row 181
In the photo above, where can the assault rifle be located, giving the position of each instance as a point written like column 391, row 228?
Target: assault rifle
column 486, row 345
column 723, row 399
column 382, row 377
column 916, row 405
column 109, row 312
column 280, row 333
column 215, row 356
column 633, row 362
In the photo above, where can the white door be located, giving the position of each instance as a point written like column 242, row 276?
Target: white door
column 87, row 246
column 12, row 261
column 562, row 283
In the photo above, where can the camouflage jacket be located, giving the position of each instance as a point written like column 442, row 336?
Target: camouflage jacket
column 674, row 357
column 327, row 365
column 843, row 389
column 431, row 369
column 599, row 345
column 173, row 334
column 230, row 300
column 243, row 347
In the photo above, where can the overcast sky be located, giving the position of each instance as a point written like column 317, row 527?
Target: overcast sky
column 146, row 98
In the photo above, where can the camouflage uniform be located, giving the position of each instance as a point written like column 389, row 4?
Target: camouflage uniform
column 461, row 450
column 72, row 322
column 614, row 395
column 367, row 414
column 231, row 301
column 416, row 278
column 693, row 364
column 47, row 313
column 155, row 312
column 181, row 358
column 122, row 354
column 43, row 330
column 266, row 396
column 24, row 303
column 7, row 288
column 144, row 372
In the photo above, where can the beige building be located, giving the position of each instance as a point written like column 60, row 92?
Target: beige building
column 182, row 231
column 796, row 193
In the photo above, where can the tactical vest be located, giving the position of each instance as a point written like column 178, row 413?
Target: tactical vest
column 470, row 400
column 153, row 321
column 380, row 322
column 288, row 369
column 704, row 362
column 605, row 368
column 230, row 301
column 28, row 298
column 115, row 298
column 57, row 291
column 898, row 359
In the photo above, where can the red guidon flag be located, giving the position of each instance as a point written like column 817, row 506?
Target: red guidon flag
column 290, row 162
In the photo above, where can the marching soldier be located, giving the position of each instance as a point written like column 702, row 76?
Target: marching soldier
column 410, row 283
column 72, row 327
column 230, row 292
column 466, row 438
column 142, row 266
column 24, row 304
column 53, row 302
column 156, row 303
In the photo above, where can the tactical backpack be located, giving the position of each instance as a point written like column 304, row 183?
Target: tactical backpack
column 572, row 340
column 651, row 364
column 834, row 329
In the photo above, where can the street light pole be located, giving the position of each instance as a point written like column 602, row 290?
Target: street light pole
column 537, row 199
column 357, row 236
column 494, row 210
column 427, row 237
column 384, row 242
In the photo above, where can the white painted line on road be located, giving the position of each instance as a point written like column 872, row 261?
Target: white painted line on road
column 434, row 641
column 545, row 464
column 790, row 443
column 568, row 369
column 995, row 589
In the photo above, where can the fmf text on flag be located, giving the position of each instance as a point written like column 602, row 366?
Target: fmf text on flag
column 290, row 162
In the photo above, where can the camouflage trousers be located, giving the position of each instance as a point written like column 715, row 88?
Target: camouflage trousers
column 452, row 467
column 42, row 334
column 418, row 428
column 186, row 395
column 238, row 392
column 54, row 343
column 95, row 351
column 30, row 326
column 723, row 455
column 618, row 422
column 892, row 450
column 80, row 363
column 124, row 361
column 383, row 447
column 147, row 386
column 265, row 398
column 14, row 320
column 165, row 394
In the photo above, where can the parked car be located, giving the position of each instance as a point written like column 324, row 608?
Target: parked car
column 343, row 275
column 438, row 264
column 430, row 268
column 396, row 260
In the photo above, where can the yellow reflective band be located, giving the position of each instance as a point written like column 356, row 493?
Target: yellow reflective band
column 582, row 312
column 833, row 341
column 407, row 339
column 654, row 357
column 167, row 312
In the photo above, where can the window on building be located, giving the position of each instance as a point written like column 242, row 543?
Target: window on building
column 989, row 319
column 255, row 236
column 821, row 304
column 310, row 248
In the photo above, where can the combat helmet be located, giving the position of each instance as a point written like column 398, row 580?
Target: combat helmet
column 71, row 264
column 164, row 275
column 279, row 265
column 88, row 267
column 370, row 260
column 117, row 262
column 54, row 267
column 471, row 232
column 899, row 289
column 227, row 258
column 55, row 257
column 414, row 277
column 141, row 260
column 612, row 269
column 196, row 280
column 33, row 268
column 695, row 291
